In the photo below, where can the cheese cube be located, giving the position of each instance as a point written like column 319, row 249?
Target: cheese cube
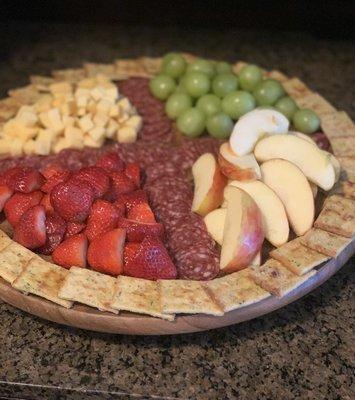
column 43, row 142
column 111, row 128
column 27, row 116
column 114, row 111
column 126, row 135
column 112, row 92
column 100, row 119
column 97, row 93
column 68, row 108
column 103, row 106
column 87, row 83
column 82, row 101
column 15, row 129
column 85, row 123
column 60, row 145
column 44, row 103
column 52, row 120
column 81, row 111
column 97, row 133
column 60, row 88
column 135, row 122
column 16, row 146
column 90, row 142
column 125, row 105
column 82, row 92
column 47, row 135
column 68, row 121
column 29, row 147
column 91, row 107
column 5, row 146
column 123, row 118
column 74, row 137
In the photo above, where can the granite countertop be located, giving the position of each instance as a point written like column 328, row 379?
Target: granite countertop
column 302, row 351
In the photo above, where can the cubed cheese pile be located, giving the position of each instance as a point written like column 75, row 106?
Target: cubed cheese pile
column 71, row 116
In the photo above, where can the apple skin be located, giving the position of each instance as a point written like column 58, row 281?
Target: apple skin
column 247, row 240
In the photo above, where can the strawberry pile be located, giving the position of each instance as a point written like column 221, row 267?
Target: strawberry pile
column 97, row 217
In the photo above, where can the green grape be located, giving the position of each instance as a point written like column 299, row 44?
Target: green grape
column 268, row 92
column 223, row 84
column 306, row 121
column 238, row 103
column 209, row 104
column 162, row 86
column 249, row 77
column 192, row 122
column 286, row 106
column 196, row 84
column 202, row 65
column 223, row 67
column 174, row 65
column 219, row 125
column 177, row 103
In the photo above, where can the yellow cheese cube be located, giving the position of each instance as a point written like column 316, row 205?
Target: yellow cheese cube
column 16, row 146
column 91, row 107
column 123, row 118
column 60, row 145
column 44, row 103
column 43, row 142
column 5, row 146
column 103, row 106
column 52, row 119
column 82, row 101
column 97, row 133
column 135, row 122
column 112, row 92
column 126, row 135
column 100, row 119
column 114, row 111
column 74, row 137
column 15, row 129
column 90, row 142
column 125, row 105
column 60, row 87
column 27, row 116
column 111, row 128
column 85, row 123
column 68, row 121
column 97, row 93
column 29, row 147
column 68, row 108
column 82, row 92
column 81, row 111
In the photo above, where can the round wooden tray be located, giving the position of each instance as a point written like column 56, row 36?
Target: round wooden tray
column 133, row 324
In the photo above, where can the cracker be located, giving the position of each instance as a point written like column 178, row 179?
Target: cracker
column 343, row 146
column 13, row 259
column 235, row 291
column 296, row 88
column 151, row 65
column 25, row 95
column 189, row 297
column 277, row 279
column 4, row 239
column 126, row 68
column 189, row 57
column 277, row 75
column 238, row 66
column 41, row 83
column 71, row 75
column 336, row 124
column 88, row 287
column 7, row 228
column 325, row 242
column 315, row 102
column 43, row 279
column 337, row 216
column 348, row 167
column 108, row 70
column 298, row 258
column 345, row 188
column 8, row 108
column 140, row 296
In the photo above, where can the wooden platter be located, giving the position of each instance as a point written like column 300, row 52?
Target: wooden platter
column 133, row 324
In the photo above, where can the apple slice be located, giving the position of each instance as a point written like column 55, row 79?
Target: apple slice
column 313, row 162
column 252, row 126
column 243, row 233
column 209, row 184
column 242, row 168
column 294, row 190
column 215, row 224
column 273, row 212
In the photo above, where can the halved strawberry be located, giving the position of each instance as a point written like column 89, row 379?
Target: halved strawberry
column 19, row 203
column 138, row 231
column 152, row 261
column 121, row 184
column 5, row 194
column 30, row 232
column 133, row 172
column 51, row 170
column 54, row 180
column 103, row 217
column 111, row 162
column 73, row 228
column 96, row 177
column 8, row 175
column 55, row 230
column 132, row 199
column 141, row 213
column 121, row 207
column 105, row 253
column 72, row 200
column 130, row 251
column 71, row 252
column 46, row 203
column 25, row 180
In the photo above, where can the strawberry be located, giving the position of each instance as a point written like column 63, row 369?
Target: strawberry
column 72, row 200
column 8, row 175
column 121, row 184
column 46, row 203
column 25, row 180
column 132, row 199
column 55, row 230
column 5, row 194
column 51, row 170
column 103, row 217
column 30, row 232
column 111, row 162
column 73, row 228
column 130, row 251
column 141, row 213
column 133, row 172
column 105, row 253
column 19, row 203
column 71, row 252
column 54, row 180
column 121, row 207
column 152, row 261
column 138, row 231
column 96, row 178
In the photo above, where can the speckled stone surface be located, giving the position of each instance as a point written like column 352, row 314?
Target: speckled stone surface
column 303, row 351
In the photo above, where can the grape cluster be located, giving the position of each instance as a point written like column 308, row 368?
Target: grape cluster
column 207, row 95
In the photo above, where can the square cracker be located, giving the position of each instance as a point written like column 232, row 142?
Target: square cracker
column 188, row 297
column 109, row 70
column 236, row 290
column 337, row 124
column 348, row 167
column 296, row 88
column 127, row 68
column 138, row 295
column 337, row 216
column 298, row 258
column 8, row 108
column 41, row 83
column 71, row 75
column 4, row 240
column 276, row 279
column 343, row 146
column 25, row 95
column 315, row 102
column 345, row 188
column 278, row 75
column 324, row 242
column 43, row 279
column 151, row 65
column 13, row 259
column 89, row 287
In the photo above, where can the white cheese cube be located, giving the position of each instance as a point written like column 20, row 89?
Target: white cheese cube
column 15, row 129
column 114, row 111
column 68, row 121
column 68, row 108
column 52, row 119
column 29, row 147
column 97, row 93
column 44, row 103
column 16, row 146
column 125, row 105
column 91, row 107
column 60, row 145
column 90, row 142
column 44, row 142
column 103, row 106
column 74, row 137
column 60, row 87
column 97, row 133
column 82, row 92
column 82, row 101
column 126, row 135
column 112, row 92
column 111, row 128
column 5, row 146
column 85, row 123
column 100, row 119
column 135, row 122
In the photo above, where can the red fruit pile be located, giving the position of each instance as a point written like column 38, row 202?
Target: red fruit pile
column 97, row 217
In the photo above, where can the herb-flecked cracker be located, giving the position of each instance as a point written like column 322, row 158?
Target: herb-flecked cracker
column 348, row 168
column 336, row 124
column 296, row 88
column 315, row 102
column 343, row 146
column 71, row 75
column 4, row 240
column 89, row 287
column 139, row 296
